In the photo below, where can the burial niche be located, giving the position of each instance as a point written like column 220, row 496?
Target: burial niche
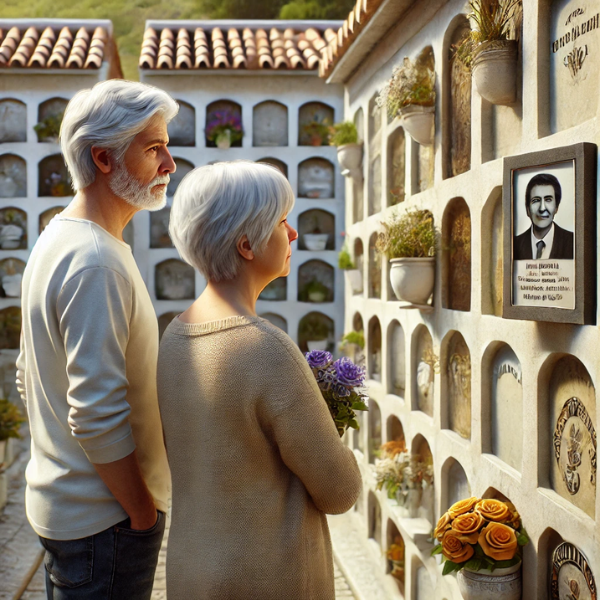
column 424, row 587
column 13, row 229
column 458, row 385
column 359, row 260
column 424, row 155
column 422, row 473
column 395, row 554
column 270, row 124
column 396, row 171
column 548, row 542
column 316, row 282
column 456, row 241
column 315, row 332
column 358, row 194
column 13, row 121
column 395, row 431
column 491, row 253
column 314, row 121
column 572, row 577
column 396, row 359
column 374, row 186
column 183, row 168
column 374, row 418
column 353, row 343
column 47, row 216
column 223, row 116
column 13, row 176
column 572, row 401
column 456, row 483
column 375, row 267
column 11, row 275
column 425, row 364
column 164, row 320
column 374, row 354
column 316, row 230
column 275, row 162
column 159, row 228
column 174, row 280
column 374, row 518
column 182, row 129
column 316, row 179
column 50, row 116
column 276, row 290
column 54, row 179
column 10, row 328
column 276, row 320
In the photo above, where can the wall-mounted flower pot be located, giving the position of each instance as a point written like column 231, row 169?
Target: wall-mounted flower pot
column 495, row 71
column 350, row 160
column 317, row 345
column 315, row 241
column 489, row 585
column 223, row 140
column 419, row 121
column 412, row 279
column 354, row 280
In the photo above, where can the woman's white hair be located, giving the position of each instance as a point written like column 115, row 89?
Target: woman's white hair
column 109, row 116
column 216, row 205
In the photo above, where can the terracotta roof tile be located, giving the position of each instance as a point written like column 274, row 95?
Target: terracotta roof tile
column 208, row 47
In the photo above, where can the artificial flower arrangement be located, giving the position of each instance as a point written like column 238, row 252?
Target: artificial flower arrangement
column 341, row 384
column 317, row 131
column 224, row 125
column 480, row 535
column 395, row 554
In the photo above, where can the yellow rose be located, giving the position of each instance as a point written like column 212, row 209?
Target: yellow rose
column 493, row 510
column 466, row 527
column 462, row 506
column 498, row 541
column 442, row 526
column 455, row 550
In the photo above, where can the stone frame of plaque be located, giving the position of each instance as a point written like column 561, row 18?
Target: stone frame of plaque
column 568, row 554
column 553, row 289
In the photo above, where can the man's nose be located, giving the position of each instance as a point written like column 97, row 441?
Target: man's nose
column 168, row 164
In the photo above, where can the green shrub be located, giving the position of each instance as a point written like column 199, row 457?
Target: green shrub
column 408, row 235
column 344, row 133
column 355, row 337
column 10, row 420
column 345, row 261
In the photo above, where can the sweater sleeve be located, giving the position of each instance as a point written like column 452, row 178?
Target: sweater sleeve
column 94, row 310
column 307, row 438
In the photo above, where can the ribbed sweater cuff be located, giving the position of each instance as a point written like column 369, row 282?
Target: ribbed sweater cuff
column 115, row 451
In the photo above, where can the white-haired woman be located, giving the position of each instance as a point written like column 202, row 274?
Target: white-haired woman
column 255, row 457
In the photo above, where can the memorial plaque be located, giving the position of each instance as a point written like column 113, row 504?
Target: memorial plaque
column 572, row 578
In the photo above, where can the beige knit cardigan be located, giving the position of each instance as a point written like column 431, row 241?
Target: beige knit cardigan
column 256, row 462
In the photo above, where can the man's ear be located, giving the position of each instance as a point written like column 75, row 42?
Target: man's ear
column 101, row 159
column 244, row 249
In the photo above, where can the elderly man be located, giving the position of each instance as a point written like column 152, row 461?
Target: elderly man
column 98, row 479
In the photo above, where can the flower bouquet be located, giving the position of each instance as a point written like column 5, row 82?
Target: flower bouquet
column 341, row 383
column 224, row 128
column 480, row 535
column 395, row 554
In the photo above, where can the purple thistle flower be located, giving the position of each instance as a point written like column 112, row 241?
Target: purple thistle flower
column 349, row 374
column 319, row 359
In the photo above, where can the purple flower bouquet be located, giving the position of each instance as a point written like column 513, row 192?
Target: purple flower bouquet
column 221, row 122
column 341, row 383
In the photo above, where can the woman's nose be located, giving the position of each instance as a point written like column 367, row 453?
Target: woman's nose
column 292, row 233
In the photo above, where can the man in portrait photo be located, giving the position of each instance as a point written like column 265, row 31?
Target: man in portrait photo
column 544, row 239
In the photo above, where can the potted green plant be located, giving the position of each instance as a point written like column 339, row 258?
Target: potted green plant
column 349, row 150
column 353, row 337
column 48, row 129
column 408, row 240
column 316, row 333
column 317, row 131
column 314, row 291
column 316, row 240
column 352, row 275
column 410, row 94
column 489, row 52
column 10, row 422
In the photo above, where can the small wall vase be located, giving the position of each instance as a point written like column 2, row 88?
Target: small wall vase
column 419, row 121
column 315, row 241
column 491, row 585
column 350, row 160
column 354, row 280
column 495, row 71
column 223, row 140
column 317, row 345
column 412, row 279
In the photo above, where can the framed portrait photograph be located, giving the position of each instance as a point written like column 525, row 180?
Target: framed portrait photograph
column 549, row 207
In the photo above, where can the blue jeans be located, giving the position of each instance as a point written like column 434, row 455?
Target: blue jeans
column 115, row 564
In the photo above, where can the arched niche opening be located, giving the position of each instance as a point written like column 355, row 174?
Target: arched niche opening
column 182, row 129
column 456, row 241
column 47, row 216
column 316, row 178
column 353, row 343
column 396, row 171
column 374, row 430
column 316, row 282
column 395, row 554
column 13, row 176
column 458, row 102
column 316, row 331
column 424, row 364
column 183, row 168
column 276, row 320
column 13, row 228
column 396, row 359
column 455, row 485
column 159, row 228
column 423, row 162
column 395, row 431
column 375, row 268
column 164, row 320
column 50, row 116
column 456, row 385
column 275, row 162
column 492, row 236
column 13, row 121
column 374, row 518
column 374, row 349
column 359, row 260
column 222, row 112
column 314, row 121
column 358, row 195
column 275, row 291
column 11, row 275
column 270, row 124
column 422, row 466
column 359, row 359
column 423, row 586
column 502, row 401
column 316, row 230
column 547, row 544
column 567, row 431
column 174, row 280
column 10, row 328
column 53, row 177
column 374, row 156
column 375, row 117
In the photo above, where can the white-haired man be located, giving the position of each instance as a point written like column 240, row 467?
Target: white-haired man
column 98, row 478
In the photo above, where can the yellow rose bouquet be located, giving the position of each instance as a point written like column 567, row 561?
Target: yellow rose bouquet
column 479, row 535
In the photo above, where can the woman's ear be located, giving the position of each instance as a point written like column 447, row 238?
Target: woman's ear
column 101, row 159
column 243, row 247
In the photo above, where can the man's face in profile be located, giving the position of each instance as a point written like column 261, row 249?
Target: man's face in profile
column 542, row 206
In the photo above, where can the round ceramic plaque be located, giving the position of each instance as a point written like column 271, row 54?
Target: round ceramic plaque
column 572, row 578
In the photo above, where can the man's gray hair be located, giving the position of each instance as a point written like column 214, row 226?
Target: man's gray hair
column 109, row 116
column 216, row 205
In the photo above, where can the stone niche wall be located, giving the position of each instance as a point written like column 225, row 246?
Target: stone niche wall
column 316, row 221
column 396, row 171
column 13, row 176
column 316, row 327
column 316, row 179
column 492, row 271
column 455, row 485
column 456, row 385
column 375, row 267
column 359, row 257
column 270, row 124
column 395, row 431
column 358, row 188
column 375, row 430
column 396, row 359
column 374, row 349
column 423, row 156
column 423, row 583
column 456, row 243
column 316, row 282
column 374, row 518
column 13, row 121
column 50, row 114
column 183, row 168
column 159, row 228
column 423, row 369
column 11, row 275
column 313, row 119
column 53, row 177
column 174, row 280
column 222, row 107
column 395, row 565
column 276, row 290
column 374, row 156
column 13, row 228
column 182, row 129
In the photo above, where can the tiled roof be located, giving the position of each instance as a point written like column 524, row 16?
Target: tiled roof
column 244, row 47
column 53, row 47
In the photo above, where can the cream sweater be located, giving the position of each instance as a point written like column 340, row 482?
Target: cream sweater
column 256, row 463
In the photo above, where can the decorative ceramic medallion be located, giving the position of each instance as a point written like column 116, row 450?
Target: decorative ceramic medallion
column 575, row 445
column 572, row 578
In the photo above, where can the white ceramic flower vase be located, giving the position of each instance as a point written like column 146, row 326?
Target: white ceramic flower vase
column 223, row 140
column 317, row 296
column 354, row 280
column 491, row 585
column 412, row 279
column 11, row 284
column 419, row 121
column 10, row 236
column 495, row 71
column 317, row 345
column 350, row 160
column 315, row 241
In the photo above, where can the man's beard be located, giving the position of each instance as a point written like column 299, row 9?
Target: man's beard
column 140, row 195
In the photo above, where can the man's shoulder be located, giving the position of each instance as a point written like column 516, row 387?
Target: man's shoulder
column 563, row 233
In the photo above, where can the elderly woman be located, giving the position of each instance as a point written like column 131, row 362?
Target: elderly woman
column 255, row 456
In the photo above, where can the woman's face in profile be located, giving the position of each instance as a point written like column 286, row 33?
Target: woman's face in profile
column 277, row 254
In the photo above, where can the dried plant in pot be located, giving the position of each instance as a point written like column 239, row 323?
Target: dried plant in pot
column 408, row 240
column 349, row 149
column 352, row 275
